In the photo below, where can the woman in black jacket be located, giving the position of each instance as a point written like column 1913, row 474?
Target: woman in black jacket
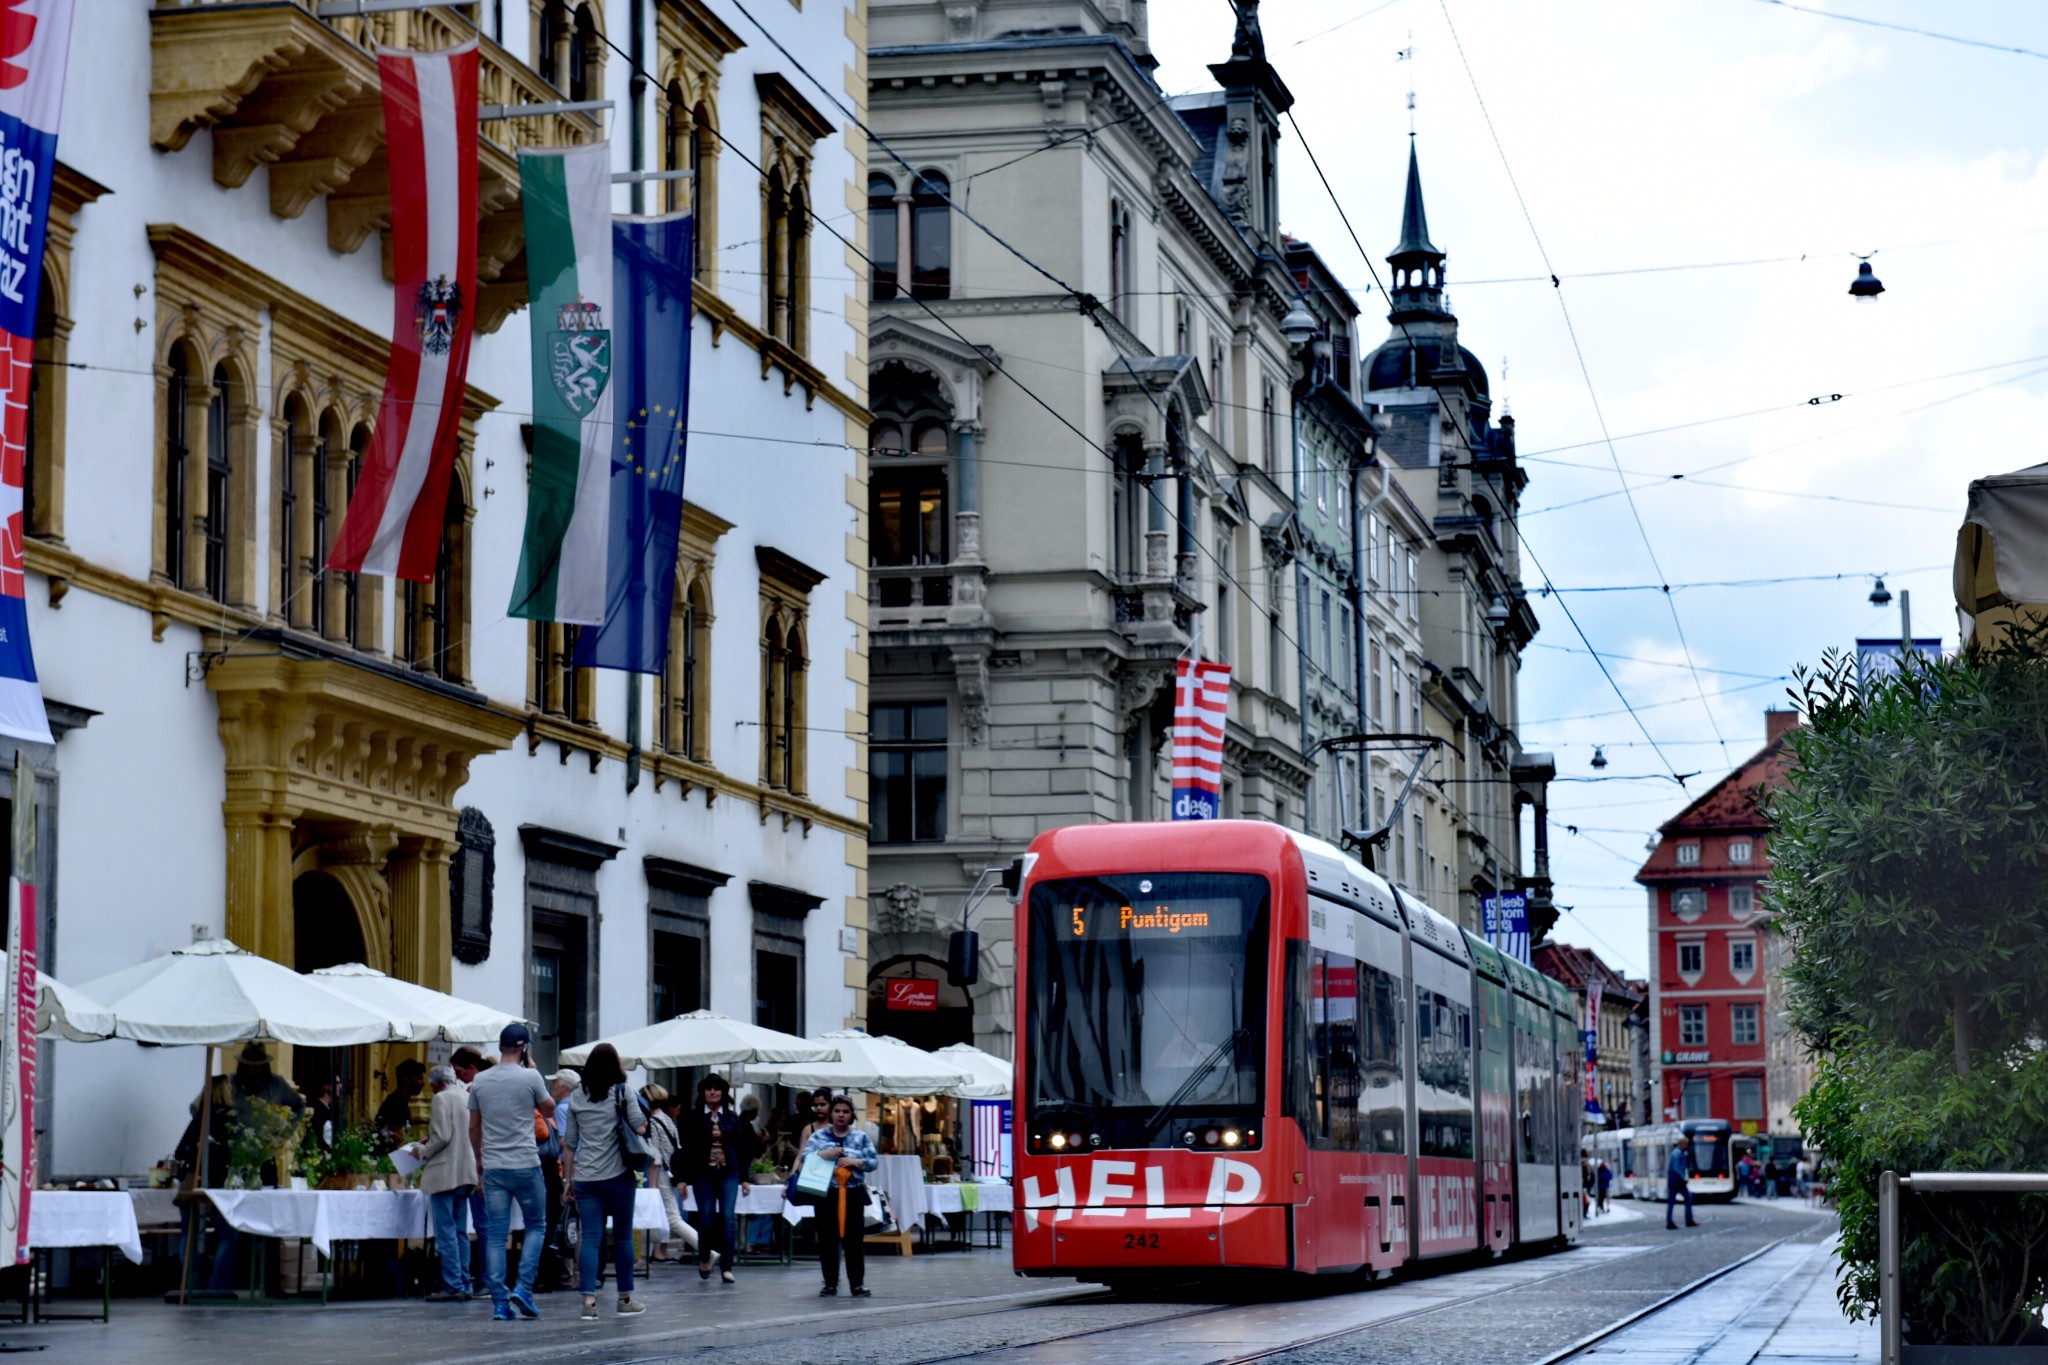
column 713, row 1158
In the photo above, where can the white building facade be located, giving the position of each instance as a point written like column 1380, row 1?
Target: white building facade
column 329, row 770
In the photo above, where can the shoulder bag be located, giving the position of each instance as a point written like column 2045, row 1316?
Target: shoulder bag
column 633, row 1148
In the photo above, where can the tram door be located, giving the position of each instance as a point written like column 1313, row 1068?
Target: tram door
column 1570, row 1123
column 1535, row 1122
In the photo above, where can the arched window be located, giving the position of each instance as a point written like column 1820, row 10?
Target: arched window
column 432, row 612
column 778, row 250
column 882, row 237
column 931, row 240
column 220, row 477
column 330, row 459
column 294, row 453
column 177, row 463
column 685, row 687
column 41, row 494
column 910, row 512
column 1119, row 258
column 793, row 712
column 356, row 627
column 704, row 189
column 586, row 56
column 796, row 256
column 774, row 739
column 551, row 41
column 1127, row 508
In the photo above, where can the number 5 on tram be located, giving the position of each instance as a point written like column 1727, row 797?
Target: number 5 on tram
column 1239, row 1049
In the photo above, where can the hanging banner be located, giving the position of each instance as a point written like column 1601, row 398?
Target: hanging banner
column 989, row 1134
column 1505, row 921
column 1201, row 696
column 34, row 42
column 566, row 196
column 393, row 523
column 18, row 1034
column 1592, row 1036
column 650, row 326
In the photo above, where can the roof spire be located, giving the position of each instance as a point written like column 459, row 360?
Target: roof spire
column 1414, row 222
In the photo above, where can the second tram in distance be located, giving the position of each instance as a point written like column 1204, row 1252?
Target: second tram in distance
column 1239, row 1049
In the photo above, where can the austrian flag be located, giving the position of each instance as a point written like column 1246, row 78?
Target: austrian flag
column 393, row 525
column 1201, row 696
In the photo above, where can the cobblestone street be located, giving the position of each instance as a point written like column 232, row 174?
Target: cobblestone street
column 1777, row 1308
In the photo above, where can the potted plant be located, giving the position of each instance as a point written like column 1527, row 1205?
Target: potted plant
column 261, row 1142
column 348, row 1161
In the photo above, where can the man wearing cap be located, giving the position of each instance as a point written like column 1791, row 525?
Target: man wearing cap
column 502, row 1102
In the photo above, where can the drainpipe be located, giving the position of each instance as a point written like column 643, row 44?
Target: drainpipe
column 637, row 106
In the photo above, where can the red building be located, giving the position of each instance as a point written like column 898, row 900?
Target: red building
column 1707, row 952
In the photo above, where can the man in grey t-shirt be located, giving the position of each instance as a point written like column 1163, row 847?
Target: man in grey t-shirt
column 502, row 1102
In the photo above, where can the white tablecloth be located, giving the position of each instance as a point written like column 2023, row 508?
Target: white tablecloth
column 902, row 1179
column 764, row 1199
column 84, row 1218
column 325, row 1216
column 648, row 1214
column 943, row 1199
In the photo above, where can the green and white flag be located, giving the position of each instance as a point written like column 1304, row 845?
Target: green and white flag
column 567, row 195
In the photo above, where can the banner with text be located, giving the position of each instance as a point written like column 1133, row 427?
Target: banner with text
column 1201, row 696
column 1505, row 918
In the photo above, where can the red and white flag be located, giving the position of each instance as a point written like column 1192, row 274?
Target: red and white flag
column 18, row 1028
column 393, row 524
column 1201, row 696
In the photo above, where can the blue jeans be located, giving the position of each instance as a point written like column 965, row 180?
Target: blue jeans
column 451, row 1241
column 719, row 1193
column 500, row 1189
column 1673, row 1189
column 597, row 1200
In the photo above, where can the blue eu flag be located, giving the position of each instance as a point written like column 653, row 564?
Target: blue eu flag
column 650, row 316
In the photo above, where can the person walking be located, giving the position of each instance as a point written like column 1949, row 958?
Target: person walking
column 715, row 1151
column 447, row 1175
column 664, row 1138
column 547, row 1140
column 502, row 1102
column 595, row 1172
column 1677, row 1181
column 1602, row 1179
column 840, row 1225
column 821, row 1105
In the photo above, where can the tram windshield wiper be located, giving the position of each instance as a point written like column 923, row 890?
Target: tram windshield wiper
column 1228, row 1047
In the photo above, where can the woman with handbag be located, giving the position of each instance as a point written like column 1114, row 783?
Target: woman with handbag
column 839, row 1221
column 604, row 1144
column 716, row 1152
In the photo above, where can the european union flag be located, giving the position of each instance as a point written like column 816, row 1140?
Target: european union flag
column 650, row 320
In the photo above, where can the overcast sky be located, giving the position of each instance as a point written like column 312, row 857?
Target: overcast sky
column 1675, row 134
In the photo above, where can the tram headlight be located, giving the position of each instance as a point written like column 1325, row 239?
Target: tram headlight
column 1210, row 1137
column 1231, row 1137
column 1057, row 1141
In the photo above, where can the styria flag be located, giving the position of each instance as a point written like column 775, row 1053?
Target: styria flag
column 650, row 326
column 568, row 212
column 1201, row 695
column 35, row 36
column 394, row 520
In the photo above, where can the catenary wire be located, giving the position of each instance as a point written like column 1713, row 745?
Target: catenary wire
column 1908, row 28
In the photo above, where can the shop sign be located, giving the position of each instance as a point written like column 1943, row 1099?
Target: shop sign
column 913, row 993
column 1701, row 1056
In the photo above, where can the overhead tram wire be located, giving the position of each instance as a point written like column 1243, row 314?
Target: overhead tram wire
column 2007, row 48
column 1585, row 371
column 1087, row 302
column 1464, row 440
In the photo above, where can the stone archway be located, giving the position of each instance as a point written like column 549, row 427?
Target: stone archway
column 904, row 929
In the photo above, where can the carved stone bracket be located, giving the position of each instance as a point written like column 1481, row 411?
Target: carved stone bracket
column 1137, row 685
column 970, row 673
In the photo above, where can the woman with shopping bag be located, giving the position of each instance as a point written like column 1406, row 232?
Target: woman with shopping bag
column 851, row 1154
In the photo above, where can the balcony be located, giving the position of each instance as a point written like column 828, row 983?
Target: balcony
column 928, row 597
column 278, row 87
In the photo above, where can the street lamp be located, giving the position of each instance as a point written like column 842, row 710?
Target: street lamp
column 1299, row 326
column 1866, row 286
column 1599, row 757
column 1880, row 596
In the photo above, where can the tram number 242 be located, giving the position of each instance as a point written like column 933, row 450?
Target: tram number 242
column 1141, row 1241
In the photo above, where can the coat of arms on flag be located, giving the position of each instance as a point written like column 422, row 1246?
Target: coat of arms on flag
column 580, row 355
column 436, row 311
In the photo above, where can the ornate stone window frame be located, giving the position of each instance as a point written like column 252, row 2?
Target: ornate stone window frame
column 694, row 43
column 790, row 128
column 685, row 731
column 70, row 190
column 786, row 584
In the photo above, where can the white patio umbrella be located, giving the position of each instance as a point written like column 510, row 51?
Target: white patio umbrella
column 701, row 1038
column 215, row 993
column 882, row 1066
column 65, row 1012
column 419, row 1013
column 2001, row 569
column 990, row 1076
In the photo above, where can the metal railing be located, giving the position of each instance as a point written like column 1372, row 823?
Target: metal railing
column 1890, row 1291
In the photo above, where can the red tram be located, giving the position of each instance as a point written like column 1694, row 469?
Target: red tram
column 1239, row 1049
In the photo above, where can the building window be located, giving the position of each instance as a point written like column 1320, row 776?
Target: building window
column 1741, row 901
column 561, row 934
column 430, row 637
column 1740, row 850
column 1269, row 425
column 1225, row 644
column 1689, row 904
column 1688, row 855
column 1217, row 401
column 1692, row 1025
column 1742, row 956
column 1373, row 681
column 907, row 782
column 1742, row 1025
column 907, row 497
column 319, row 494
column 931, row 237
column 1183, row 324
column 586, row 56
column 683, row 691
column 1126, row 508
column 1749, row 1097
column 555, row 686
column 1415, row 590
column 1692, row 960
column 1694, row 1100
column 220, row 479
column 1119, row 259
column 786, row 585
column 357, row 615
column 1328, row 632
column 177, row 464
column 882, row 253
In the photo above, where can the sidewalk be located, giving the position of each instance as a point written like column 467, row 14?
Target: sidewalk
column 1779, row 1309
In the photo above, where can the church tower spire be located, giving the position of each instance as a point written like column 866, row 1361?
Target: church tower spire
column 1417, row 293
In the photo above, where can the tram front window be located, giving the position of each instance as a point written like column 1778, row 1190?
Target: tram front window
column 1148, row 1004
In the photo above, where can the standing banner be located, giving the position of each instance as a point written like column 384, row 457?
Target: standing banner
column 651, row 341
column 1594, row 1113
column 393, row 523
column 1505, row 920
column 989, row 1134
column 567, row 202
column 1201, row 696
column 35, row 39
column 18, row 1036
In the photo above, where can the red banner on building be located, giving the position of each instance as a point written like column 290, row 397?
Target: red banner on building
column 1201, row 699
column 393, row 523
column 913, row 993
column 18, row 1045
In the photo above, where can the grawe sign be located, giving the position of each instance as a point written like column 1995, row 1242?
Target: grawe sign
column 913, row 993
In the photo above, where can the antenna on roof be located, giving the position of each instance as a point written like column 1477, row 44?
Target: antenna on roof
column 1407, row 54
